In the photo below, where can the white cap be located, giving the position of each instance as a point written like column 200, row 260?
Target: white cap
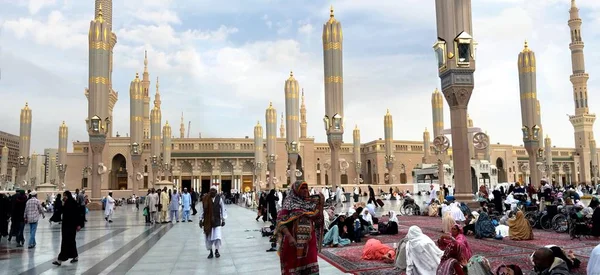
column 214, row 187
column 33, row 193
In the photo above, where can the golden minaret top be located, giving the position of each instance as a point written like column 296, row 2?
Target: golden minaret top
column 26, row 106
column 526, row 47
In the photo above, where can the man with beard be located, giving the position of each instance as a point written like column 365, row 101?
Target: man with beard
column 212, row 219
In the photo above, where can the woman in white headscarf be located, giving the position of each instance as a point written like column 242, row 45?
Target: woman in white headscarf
column 593, row 267
column 422, row 254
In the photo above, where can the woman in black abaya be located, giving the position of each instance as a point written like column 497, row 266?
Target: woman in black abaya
column 56, row 217
column 71, row 224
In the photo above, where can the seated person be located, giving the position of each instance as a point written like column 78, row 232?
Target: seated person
column 519, row 228
column 433, row 208
column 366, row 216
column 374, row 250
column 422, row 255
column 469, row 229
column 336, row 236
column 484, row 228
column 510, row 269
column 450, row 262
column 458, row 239
column 391, row 227
column 570, row 259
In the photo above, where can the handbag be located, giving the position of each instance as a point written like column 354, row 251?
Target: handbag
column 145, row 211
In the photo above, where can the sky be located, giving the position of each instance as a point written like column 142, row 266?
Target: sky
column 222, row 62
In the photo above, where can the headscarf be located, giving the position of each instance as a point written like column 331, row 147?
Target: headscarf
column 465, row 249
column 295, row 207
column 484, row 227
column 393, row 217
column 593, row 264
column 519, row 228
column 515, row 268
column 451, row 256
column 479, row 265
column 421, row 251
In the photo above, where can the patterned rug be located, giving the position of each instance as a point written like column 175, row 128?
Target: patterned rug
column 348, row 259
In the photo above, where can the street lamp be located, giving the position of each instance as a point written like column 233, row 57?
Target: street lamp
column 135, row 148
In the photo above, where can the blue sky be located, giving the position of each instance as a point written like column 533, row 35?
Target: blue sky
column 221, row 62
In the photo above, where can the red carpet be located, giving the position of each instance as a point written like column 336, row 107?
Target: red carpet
column 498, row 252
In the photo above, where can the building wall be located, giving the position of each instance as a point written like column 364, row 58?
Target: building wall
column 12, row 142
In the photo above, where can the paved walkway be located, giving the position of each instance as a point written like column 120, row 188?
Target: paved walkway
column 128, row 246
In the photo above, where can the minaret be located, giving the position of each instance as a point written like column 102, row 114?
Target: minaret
column 548, row 153
column 282, row 127
column 63, row 139
column 437, row 112
column 155, row 134
column 426, row 146
column 136, row 129
column 472, row 152
column 271, row 119
column 182, row 128
column 166, row 132
column 388, row 128
column 103, row 8
column 582, row 121
column 334, row 92
column 101, row 41
column 357, row 160
column 529, row 114
column 302, row 117
column 292, row 112
column 24, row 144
column 259, row 158
column 146, row 97
column 4, row 167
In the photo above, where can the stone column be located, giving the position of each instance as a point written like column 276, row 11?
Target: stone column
column 357, row 160
column 24, row 145
column 259, row 159
column 271, row 125
column 166, row 131
column 137, row 90
column 388, row 128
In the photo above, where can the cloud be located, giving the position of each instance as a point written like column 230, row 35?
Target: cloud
column 268, row 22
column 306, row 29
column 35, row 6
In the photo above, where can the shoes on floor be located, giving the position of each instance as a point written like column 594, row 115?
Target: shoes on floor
column 191, row 221
column 56, row 263
column 74, row 260
column 210, row 256
column 217, row 254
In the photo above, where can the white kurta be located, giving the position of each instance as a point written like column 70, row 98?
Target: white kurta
column 110, row 206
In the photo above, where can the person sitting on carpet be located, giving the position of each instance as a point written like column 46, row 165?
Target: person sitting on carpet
column 336, row 236
column 422, row 255
column 367, row 217
column 469, row 229
column 400, row 262
column 519, row 228
column 374, row 250
column 433, row 208
column 447, row 220
column 593, row 265
column 510, row 269
column 458, row 238
column 570, row 259
column 450, row 263
column 479, row 265
column 546, row 264
column 484, row 228
column 456, row 212
column 391, row 227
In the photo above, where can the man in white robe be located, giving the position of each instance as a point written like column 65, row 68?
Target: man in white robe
column 109, row 207
column 212, row 219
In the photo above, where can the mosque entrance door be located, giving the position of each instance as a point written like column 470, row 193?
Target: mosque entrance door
column 226, row 186
column 205, row 186
column 186, row 183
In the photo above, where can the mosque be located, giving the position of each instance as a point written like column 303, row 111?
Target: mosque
column 152, row 153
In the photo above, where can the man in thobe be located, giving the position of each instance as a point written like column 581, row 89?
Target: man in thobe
column 186, row 204
column 174, row 206
column 109, row 208
column 164, row 202
column 212, row 219
column 338, row 196
column 432, row 194
column 153, row 206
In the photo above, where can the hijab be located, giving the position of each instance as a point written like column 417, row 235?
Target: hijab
column 296, row 206
column 479, row 265
column 451, row 256
column 484, row 227
column 594, row 262
column 520, row 229
column 421, row 251
column 394, row 217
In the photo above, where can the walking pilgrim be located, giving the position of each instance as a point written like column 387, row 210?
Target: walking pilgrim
column 212, row 219
column 109, row 208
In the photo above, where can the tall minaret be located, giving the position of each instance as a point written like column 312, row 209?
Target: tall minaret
column 24, row 144
column 302, row 117
column 437, row 112
column 334, row 92
column 136, row 129
column 582, row 121
column 166, row 148
column 529, row 115
column 99, row 93
column 282, row 127
column 426, row 146
column 259, row 158
column 548, row 153
column 271, row 119
column 292, row 112
column 103, row 8
column 388, row 128
column 155, row 135
column 146, row 97
column 63, row 139
column 357, row 160
column 182, row 128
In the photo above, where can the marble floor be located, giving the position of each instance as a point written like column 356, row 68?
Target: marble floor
column 128, row 246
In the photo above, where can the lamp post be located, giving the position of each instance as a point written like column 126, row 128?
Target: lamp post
column 389, row 164
column 136, row 159
column 98, row 130
column 271, row 164
column 335, row 133
column 257, row 175
column 23, row 167
column 62, row 169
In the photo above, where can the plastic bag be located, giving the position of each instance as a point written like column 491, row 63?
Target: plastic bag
column 145, row 211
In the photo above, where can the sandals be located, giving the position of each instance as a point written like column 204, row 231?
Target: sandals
column 56, row 263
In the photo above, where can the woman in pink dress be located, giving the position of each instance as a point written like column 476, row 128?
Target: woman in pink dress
column 374, row 250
